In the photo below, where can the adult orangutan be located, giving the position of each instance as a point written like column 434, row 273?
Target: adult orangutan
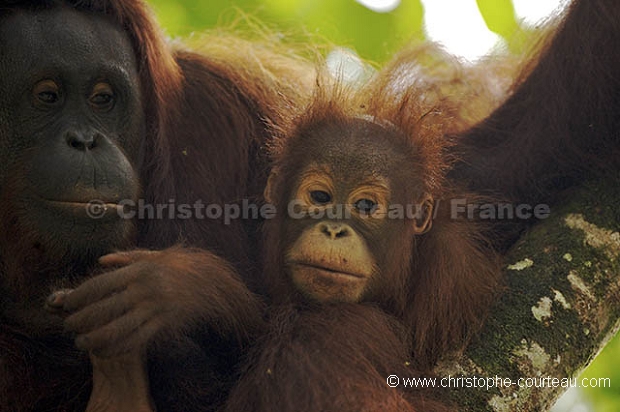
column 97, row 113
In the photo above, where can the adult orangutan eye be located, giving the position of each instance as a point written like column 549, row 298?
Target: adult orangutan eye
column 365, row 206
column 102, row 97
column 46, row 92
column 320, row 197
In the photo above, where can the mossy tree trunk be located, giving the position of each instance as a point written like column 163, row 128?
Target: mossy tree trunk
column 560, row 307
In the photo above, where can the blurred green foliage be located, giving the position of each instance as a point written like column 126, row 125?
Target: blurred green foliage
column 375, row 36
column 606, row 365
column 501, row 18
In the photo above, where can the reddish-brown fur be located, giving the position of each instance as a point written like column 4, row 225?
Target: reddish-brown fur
column 451, row 281
column 436, row 286
column 206, row 116
column 560, row 124
column 330, row 358
column 559, row 118
column 558, row 127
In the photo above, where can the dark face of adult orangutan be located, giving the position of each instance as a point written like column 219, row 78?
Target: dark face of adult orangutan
column 71, row 124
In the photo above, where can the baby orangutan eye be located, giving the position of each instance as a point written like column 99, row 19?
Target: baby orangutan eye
column 366, row 206
column 320, row 197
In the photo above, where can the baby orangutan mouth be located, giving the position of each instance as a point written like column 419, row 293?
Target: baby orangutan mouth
column 328, row 283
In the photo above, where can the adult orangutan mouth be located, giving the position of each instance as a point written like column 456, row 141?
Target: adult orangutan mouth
column 94, row 209
column 329, row 270
column 67, row 203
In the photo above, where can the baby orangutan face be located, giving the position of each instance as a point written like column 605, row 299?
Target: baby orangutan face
column 338, row 232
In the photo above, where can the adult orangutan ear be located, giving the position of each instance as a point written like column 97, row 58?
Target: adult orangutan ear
column 423, row 220
column 270, row 188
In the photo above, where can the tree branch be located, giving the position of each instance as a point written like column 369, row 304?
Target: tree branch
column 560, row 307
